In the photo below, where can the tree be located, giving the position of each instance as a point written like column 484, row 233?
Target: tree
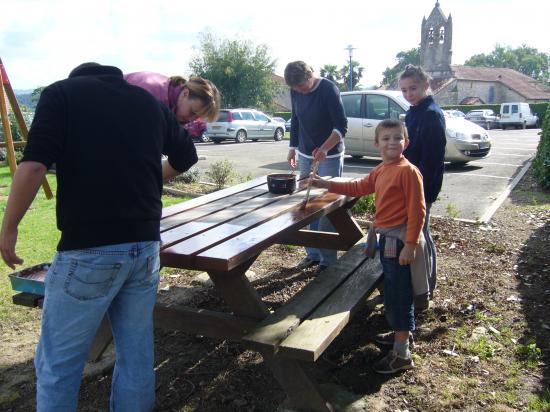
column 524, row 59
column 331, row 72
column 411, row 56
column 356, row 75
column 35, row 96
column 242, row 71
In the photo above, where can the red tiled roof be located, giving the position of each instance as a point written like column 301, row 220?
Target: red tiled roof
column 521, row 83
column 472, row 100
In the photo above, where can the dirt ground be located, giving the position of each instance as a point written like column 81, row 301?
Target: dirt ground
column 484, row 344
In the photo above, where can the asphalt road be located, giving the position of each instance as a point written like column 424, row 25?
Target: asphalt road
column 471, row 192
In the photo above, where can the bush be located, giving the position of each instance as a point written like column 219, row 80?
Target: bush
column 191, row 176
column 541, row 164
column 284, row 115
column 365, row 204
column 222, row 173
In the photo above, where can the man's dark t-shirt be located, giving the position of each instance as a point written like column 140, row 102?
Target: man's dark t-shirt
column 106, row 138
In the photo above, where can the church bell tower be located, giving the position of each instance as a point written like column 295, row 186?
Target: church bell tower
column 436, row 43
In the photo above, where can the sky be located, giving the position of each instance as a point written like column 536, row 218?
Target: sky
column 41, row 41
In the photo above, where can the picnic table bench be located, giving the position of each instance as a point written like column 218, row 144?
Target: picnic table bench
column 223, row 233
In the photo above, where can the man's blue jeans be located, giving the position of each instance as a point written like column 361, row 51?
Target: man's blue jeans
column 332, row 166
column 81, row 287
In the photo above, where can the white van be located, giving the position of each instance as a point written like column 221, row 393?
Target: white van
column 518, row 115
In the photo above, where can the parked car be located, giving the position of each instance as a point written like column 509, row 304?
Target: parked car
column 485, row 118
column 243, row 124
column 279, row 119
column 364, row 109
column 518, row 115
column 288, row 124
column 455, row 113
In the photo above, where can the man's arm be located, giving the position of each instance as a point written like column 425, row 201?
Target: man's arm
column 168, row 172
column 26, row 182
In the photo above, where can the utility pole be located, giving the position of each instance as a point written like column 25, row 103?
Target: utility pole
column 350, row 50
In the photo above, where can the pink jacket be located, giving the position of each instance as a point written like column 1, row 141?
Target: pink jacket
column 159, row 86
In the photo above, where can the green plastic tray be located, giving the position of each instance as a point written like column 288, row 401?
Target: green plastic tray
column 31, row 279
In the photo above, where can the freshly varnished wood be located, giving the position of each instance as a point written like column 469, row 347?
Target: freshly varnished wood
column 230, row 253
column 219, row 194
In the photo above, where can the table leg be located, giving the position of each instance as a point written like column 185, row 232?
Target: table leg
column 243, row 300
column 238, row 293
column 348, row 229
column 103, row 338
column 302, row 390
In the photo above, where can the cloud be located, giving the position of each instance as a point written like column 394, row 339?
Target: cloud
column 40, row 42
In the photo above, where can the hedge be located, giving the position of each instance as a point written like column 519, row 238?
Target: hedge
column 284, row 115
column 541, row 163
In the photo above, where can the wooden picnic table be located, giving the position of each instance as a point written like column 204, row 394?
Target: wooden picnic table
column 223, row 233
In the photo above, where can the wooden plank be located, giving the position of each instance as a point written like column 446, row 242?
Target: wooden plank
column 199, row 242
column 309, row 340
column 256, row 239
column 15, row 144
column 20, row 120
column 219, row 194
column 275, row 328
column 204, row 322
column 316, row 239
column 237, row 216
column 212, row 207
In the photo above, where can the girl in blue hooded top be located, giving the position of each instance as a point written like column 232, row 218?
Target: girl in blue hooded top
column 426, row 126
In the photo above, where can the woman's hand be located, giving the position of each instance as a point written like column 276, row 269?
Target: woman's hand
column 291, row 158
column 407, row 254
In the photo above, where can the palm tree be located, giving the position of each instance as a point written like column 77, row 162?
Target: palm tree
column 357, row 73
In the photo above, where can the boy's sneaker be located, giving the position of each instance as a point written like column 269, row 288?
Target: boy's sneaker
column 386, row 339
column 306, row 263
column 392, row 363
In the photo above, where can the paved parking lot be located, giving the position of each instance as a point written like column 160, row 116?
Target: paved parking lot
column 471, row 192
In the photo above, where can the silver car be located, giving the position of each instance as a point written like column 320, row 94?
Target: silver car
column 485, row 118
column 364, row 109
column 244, row 124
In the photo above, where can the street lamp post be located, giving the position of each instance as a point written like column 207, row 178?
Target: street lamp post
column 350, row 49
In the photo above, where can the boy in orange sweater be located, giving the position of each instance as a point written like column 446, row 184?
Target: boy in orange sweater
column 399, row 217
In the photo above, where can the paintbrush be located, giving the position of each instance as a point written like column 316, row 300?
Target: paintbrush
column 313, row 172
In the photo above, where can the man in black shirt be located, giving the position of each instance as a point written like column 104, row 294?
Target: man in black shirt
column 106, row 138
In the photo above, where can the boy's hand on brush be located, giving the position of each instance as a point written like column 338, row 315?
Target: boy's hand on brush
column 318, row 181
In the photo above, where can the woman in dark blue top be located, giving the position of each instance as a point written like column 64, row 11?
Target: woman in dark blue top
column 426, row 126
column 319, row 125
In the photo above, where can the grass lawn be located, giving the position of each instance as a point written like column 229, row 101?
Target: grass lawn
column 38, row 237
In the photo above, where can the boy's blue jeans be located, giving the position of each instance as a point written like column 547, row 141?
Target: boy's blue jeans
column 332, row 166
column 81, row 286
column 398, row 293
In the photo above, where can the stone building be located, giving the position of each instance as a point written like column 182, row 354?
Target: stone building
column 458, row 84
column 282, row 101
